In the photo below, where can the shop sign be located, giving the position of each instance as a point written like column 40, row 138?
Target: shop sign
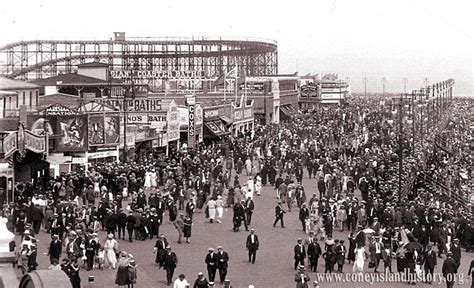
column 79, row 160
column 198, row 115
column 191, row 128
column 248, row 113
column 58, row 110
column 156, row 74
column 238, row 115
column 137, row 105
column 9, row 144
column 147, row 118
column 211, row 113
column 155, row 143
column 102, row 154
column 34, row 142
column 59, row 159
column 173, row 124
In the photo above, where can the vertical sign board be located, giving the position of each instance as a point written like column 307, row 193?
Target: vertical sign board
column 191, row 124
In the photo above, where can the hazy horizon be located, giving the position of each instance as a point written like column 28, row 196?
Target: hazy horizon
column 356, row 39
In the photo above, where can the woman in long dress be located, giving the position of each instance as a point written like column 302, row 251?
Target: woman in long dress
column 219, row 208
column 359, row 259
column 147, row 183
column 153, row 179
column 110, row 248
column 258, row 184
column 121, row 279
column 211, row 208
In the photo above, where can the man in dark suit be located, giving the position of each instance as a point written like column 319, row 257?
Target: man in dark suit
column 314, row 252
column 55, row 248
column 301, row 278
column 92, row 248
column 211, row 262
column 430, row 261
column 249, row 206
column 300, row 253
column 160, row 250
column 279, row 215
column 450, row 268
column 223, row 262
column 304, row 213
column 456, row 249
column 340, row 255
column 170, row 263
column 376, row 252
column 252, row 245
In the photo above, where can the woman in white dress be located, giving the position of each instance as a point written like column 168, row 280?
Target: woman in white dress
column 258, row 184
column 147, row 183
column 219, row 208
column 153, row 178
column 110, row 248
column 359, row 259
column 250, row 188
column 211, row 208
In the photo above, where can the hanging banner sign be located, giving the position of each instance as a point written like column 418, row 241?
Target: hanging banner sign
column 34, row 142
column 9, row 144
column 191, row 122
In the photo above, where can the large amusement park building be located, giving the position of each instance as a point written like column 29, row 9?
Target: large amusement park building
column 130, row 96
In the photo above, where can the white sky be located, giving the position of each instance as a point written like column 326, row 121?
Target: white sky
column 368, row 38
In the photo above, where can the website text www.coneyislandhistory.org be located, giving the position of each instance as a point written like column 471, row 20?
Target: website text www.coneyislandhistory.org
column 371, row 278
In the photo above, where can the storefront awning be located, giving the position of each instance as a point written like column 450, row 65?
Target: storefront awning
column 215, row 129
column 287, row 110
column 227, row 120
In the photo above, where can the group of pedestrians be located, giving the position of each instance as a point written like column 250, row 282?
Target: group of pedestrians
column 347, row 149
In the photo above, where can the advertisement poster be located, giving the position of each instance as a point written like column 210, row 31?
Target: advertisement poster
column 112, row 129
column 38, row 123
column 96, row 130
column 72, row 133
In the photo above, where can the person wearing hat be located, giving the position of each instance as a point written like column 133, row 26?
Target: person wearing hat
column 340, row 251
column 111, row 248
column 201, row 281
column 170, row 263
column 222, row 263
column 375, row 250
column 429, row 261
column 92, row 248
column 279, row 212
column 299, row 253
column 160, row 250
column 450, row 268
column 301, row 278
column 456, row 250
column 211, row 262
column 55, row 248
column 252, row 245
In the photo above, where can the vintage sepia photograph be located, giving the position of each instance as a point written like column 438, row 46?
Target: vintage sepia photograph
column 236, row 144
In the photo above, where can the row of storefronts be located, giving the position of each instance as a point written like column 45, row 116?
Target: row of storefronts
column 59, row 139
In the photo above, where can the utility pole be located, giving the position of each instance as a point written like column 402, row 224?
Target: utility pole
column 365, row 86
column 400, row 147
column 384, row 80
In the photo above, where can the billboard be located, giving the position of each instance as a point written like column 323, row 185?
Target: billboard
column 72, row 133
column 96, row 130
column 112, row 129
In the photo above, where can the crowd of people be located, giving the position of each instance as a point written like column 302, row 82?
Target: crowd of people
column 348, row 149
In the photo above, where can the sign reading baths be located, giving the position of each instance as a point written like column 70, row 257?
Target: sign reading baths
column 139, row 105
column 155, row 74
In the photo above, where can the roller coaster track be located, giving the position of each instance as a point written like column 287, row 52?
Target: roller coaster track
column 254, row 56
